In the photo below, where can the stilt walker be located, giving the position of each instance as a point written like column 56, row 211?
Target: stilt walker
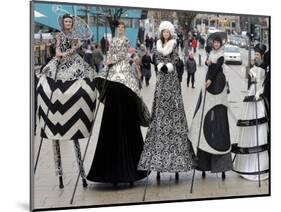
column 251, row 148
column 167, row 147
column 66, row 93
column 209, row 132
column 120, row 140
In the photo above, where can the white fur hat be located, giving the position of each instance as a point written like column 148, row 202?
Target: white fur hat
column 167, row 25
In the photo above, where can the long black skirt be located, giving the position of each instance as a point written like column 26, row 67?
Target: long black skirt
column 120, row 140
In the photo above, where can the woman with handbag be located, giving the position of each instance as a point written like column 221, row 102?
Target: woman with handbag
column 120, row 139
column 167, row 148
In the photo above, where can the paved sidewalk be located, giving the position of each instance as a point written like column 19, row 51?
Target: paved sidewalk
column 48, row 194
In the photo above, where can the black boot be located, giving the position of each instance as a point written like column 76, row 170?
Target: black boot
column 132, row 184
column 193, row 86
column 223, row 175
column 61, row 182
column 158, row 176
column 177, row 176
column 85, row 184
column 203, row 174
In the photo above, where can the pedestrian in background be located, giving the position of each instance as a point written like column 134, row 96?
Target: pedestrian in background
column 141, row 51
column 194, row 44
column 151, row 41
column 180, row 69
column 191, row 69
column 103, row 45
column 186, row 49
column 154, row 63
column 147, row 42
column 97, row 58
column 88, row 53
column 146, row 67
column 136, row 69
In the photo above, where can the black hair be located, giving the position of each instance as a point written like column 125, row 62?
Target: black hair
column 121, row 23
column 218, row 39
column 66, row 16
column 261, row 48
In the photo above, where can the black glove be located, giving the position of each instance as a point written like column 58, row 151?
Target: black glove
column 110, row 65
column 164, row 69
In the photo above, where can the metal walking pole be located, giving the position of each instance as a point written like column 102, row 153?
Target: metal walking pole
column 200, row 128
column 89, row 139
column 48, row 110
column 146, row 182
column 257, row 133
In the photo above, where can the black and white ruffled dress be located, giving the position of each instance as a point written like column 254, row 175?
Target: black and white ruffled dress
column 167, row 148
column 248, row 148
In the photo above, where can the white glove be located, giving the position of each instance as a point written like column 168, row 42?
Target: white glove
column 159, row 66
column 252, row 73
column 258, row 93
column 170, row 67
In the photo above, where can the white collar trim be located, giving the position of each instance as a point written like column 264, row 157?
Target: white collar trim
column 167, row 49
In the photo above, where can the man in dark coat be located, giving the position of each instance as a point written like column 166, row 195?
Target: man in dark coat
column 191, row 69
column 180, row 69
column 146, row 68
column 97, row 58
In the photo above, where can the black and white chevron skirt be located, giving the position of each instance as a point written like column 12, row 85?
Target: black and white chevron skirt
column 71, row 110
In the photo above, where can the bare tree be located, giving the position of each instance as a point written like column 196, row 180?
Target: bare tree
column 185, row 20
column 113, row 15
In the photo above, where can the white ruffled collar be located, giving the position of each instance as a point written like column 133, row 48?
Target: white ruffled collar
column 167, row 49
column 216, row 54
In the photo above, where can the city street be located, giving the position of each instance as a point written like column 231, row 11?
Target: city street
column 47, row 193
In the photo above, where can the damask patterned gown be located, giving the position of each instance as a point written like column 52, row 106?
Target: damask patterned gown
column 252, row 157
column 120, row 140
column 66, row 87
column 167, row 148
column 214, row 148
